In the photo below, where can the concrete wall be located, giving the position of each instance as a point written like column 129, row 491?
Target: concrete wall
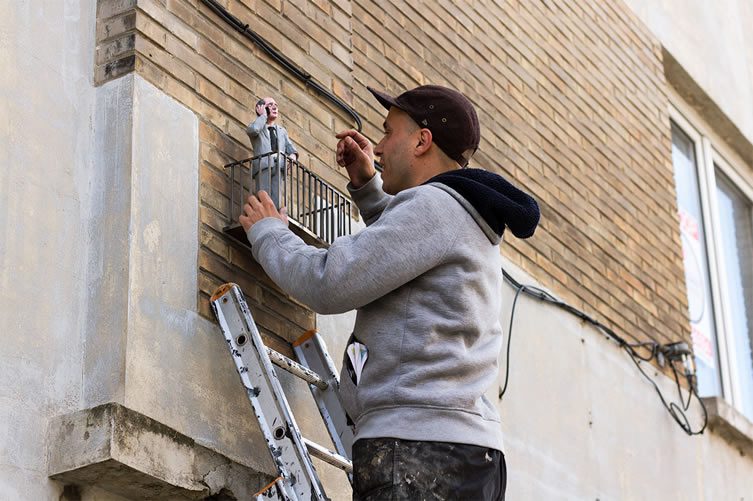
column 98, row 254
column 98, row 213
column 581, row 422
column 46, row 120
column 713, row 42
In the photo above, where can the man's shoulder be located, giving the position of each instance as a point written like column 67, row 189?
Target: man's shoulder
column 428, row 203
column 426, row 194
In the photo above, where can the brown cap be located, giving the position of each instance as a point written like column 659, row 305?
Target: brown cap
column 447, row 113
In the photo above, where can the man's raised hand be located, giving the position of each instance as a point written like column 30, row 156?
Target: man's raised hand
column 255, row 209
column 356, row 154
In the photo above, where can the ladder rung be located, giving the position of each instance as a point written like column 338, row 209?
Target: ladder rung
column 328, row 456
column 296, row 369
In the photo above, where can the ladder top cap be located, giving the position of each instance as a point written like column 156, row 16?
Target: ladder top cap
column 221, row 290
column 305, row 337
column 267, row 487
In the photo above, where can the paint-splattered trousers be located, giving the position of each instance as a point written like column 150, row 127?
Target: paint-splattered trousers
column 393, row 469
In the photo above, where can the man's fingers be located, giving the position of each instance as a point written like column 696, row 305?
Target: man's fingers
column 265, row 199
column 349, row 146
column 248, row 207
column 352, row 134
column 259, row 207
column 352, row 151
column 253, row 201
column 245, row 222
column 356, row 136
column 346, row 133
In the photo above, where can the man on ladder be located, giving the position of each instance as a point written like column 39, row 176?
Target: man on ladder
column 424, row 277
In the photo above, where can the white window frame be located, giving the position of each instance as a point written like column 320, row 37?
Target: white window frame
column 708, row 158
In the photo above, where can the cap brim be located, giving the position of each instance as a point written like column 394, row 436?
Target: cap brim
column 384, row 99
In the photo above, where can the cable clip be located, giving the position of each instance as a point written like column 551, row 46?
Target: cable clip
column 680, row 352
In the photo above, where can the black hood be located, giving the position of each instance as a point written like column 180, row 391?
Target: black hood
column 497, row 201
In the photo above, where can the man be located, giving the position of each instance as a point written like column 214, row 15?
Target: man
column 268, row 173
column 425, row 278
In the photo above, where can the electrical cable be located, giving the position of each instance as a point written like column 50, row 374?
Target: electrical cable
column 509, row 343
column 676, row 411
column 283, row 61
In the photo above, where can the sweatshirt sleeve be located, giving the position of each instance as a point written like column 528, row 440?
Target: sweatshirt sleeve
column 411, row 237
column 370, row 199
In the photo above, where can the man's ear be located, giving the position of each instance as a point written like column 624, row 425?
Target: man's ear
column 424, row 142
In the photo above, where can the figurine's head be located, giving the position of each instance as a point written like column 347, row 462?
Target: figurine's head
column 269, row 106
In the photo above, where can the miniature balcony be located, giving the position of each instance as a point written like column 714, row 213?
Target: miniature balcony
column 317, row 212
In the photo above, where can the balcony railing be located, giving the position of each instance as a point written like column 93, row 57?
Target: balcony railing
column 314, row 206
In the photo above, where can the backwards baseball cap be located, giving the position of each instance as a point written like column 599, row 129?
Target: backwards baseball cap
column 447, row 113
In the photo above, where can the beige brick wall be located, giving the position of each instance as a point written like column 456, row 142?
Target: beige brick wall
column 571, row 97
column 573, row 106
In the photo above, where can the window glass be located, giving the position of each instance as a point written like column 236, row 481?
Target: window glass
column 736, row 227
column 700, row 306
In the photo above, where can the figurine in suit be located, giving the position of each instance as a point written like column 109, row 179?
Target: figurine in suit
column 268, row 173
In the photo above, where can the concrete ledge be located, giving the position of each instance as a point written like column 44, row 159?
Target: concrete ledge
column 132, row 455
column 236, row 231
column 730, row 424
column 694, row 95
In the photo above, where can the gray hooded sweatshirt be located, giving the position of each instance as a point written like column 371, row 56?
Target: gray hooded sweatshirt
column 424, row 277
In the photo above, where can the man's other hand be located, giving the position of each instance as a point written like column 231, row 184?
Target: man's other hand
column 257, row 208
column 356, row 154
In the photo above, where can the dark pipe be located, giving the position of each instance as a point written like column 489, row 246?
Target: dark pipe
column 281, row 59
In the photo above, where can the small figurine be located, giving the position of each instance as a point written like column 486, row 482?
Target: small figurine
column 268, row 173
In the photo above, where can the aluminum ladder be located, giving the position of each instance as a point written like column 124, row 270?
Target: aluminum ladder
column 297, row 479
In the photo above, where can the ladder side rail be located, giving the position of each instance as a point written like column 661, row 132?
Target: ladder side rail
column 312, row 353
column 276, row 421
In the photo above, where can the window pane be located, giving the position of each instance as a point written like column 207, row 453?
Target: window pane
column 700, row 306
column 736, row 227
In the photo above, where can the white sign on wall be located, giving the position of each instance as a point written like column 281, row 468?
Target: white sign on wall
column 695, row 280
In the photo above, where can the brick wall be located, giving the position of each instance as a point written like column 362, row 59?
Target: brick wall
column 571, row 97
column 183, row 48
column 573, row 107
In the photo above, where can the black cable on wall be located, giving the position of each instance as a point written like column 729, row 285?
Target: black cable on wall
column 283, row 61
column 654, row 349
